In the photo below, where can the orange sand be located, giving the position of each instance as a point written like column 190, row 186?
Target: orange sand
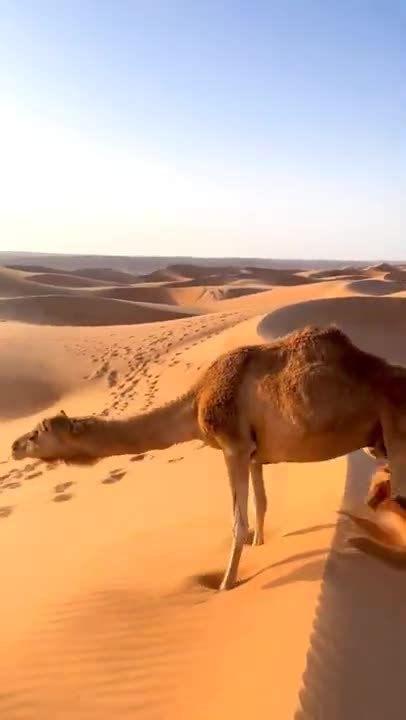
column 108, row 603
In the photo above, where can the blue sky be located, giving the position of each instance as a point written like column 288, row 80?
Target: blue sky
column 206, row 128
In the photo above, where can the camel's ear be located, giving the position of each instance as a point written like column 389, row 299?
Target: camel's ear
column 62, row 412
column 45, row 425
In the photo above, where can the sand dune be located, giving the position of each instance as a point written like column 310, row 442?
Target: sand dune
column 196, row 272
column 396, row 275
column 333, row 273
column 34, row 268
column 83, row 311
column 145, row 293
column 233, row 291
column 376, row 324
column 278, row 277
column 380, row 268
column 65, row 280
column 106, row 275
column 108, row 601
column 376, row 287
column 186, row 297
column 190, row 275
column 14, row 284
column 163, row 275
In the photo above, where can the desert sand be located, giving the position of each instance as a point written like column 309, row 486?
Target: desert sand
column 109, row 605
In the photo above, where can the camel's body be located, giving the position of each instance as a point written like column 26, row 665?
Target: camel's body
column 308, row 397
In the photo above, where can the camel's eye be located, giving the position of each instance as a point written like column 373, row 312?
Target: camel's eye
column 34, row 435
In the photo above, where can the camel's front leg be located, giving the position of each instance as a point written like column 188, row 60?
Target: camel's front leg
column 238, row 474
column 260, row 500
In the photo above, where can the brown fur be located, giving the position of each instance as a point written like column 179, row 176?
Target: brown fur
column 310, row 396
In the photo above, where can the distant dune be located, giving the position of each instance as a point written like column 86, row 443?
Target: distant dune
column 151, row 294
column 377, row 287
column 84, row 311
column 33, row 268
column 347, row 272
column 273, row 276
column 16, row 284
column 66, row 280
column 145, row 264
column 380, row 268
column 396, row 275
column 162, row 275
column 106, row 275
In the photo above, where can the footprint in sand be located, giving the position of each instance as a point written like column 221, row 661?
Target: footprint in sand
column 103, row 370
column 114, row 476
column 5, row 511
column 62, row 497
column 34, row 475
column 62, row 487
column 11, row 486
column 175, row 459
column 112, row 378
column 138, row 458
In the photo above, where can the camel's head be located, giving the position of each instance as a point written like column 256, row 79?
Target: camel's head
column 55, row 438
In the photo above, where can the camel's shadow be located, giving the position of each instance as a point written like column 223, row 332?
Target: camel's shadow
column 355, row 664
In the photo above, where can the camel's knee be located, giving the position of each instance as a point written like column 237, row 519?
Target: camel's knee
column 240, row 531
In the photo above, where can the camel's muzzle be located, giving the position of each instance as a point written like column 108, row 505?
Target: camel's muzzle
column 17, row 450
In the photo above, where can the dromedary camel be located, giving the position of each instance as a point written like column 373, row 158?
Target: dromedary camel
column 309, row 396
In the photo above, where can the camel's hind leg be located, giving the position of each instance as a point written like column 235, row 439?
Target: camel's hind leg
column 238, row 474
column 395, row 440
column 257, row 479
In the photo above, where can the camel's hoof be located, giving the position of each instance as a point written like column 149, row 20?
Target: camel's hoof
column 226, row 585
column 258, row 539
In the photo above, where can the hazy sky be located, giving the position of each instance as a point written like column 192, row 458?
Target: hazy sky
column 274, row 128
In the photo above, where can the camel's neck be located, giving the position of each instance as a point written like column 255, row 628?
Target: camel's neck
column 168, row 425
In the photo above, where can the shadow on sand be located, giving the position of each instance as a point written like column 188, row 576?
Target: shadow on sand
column 355, row 667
